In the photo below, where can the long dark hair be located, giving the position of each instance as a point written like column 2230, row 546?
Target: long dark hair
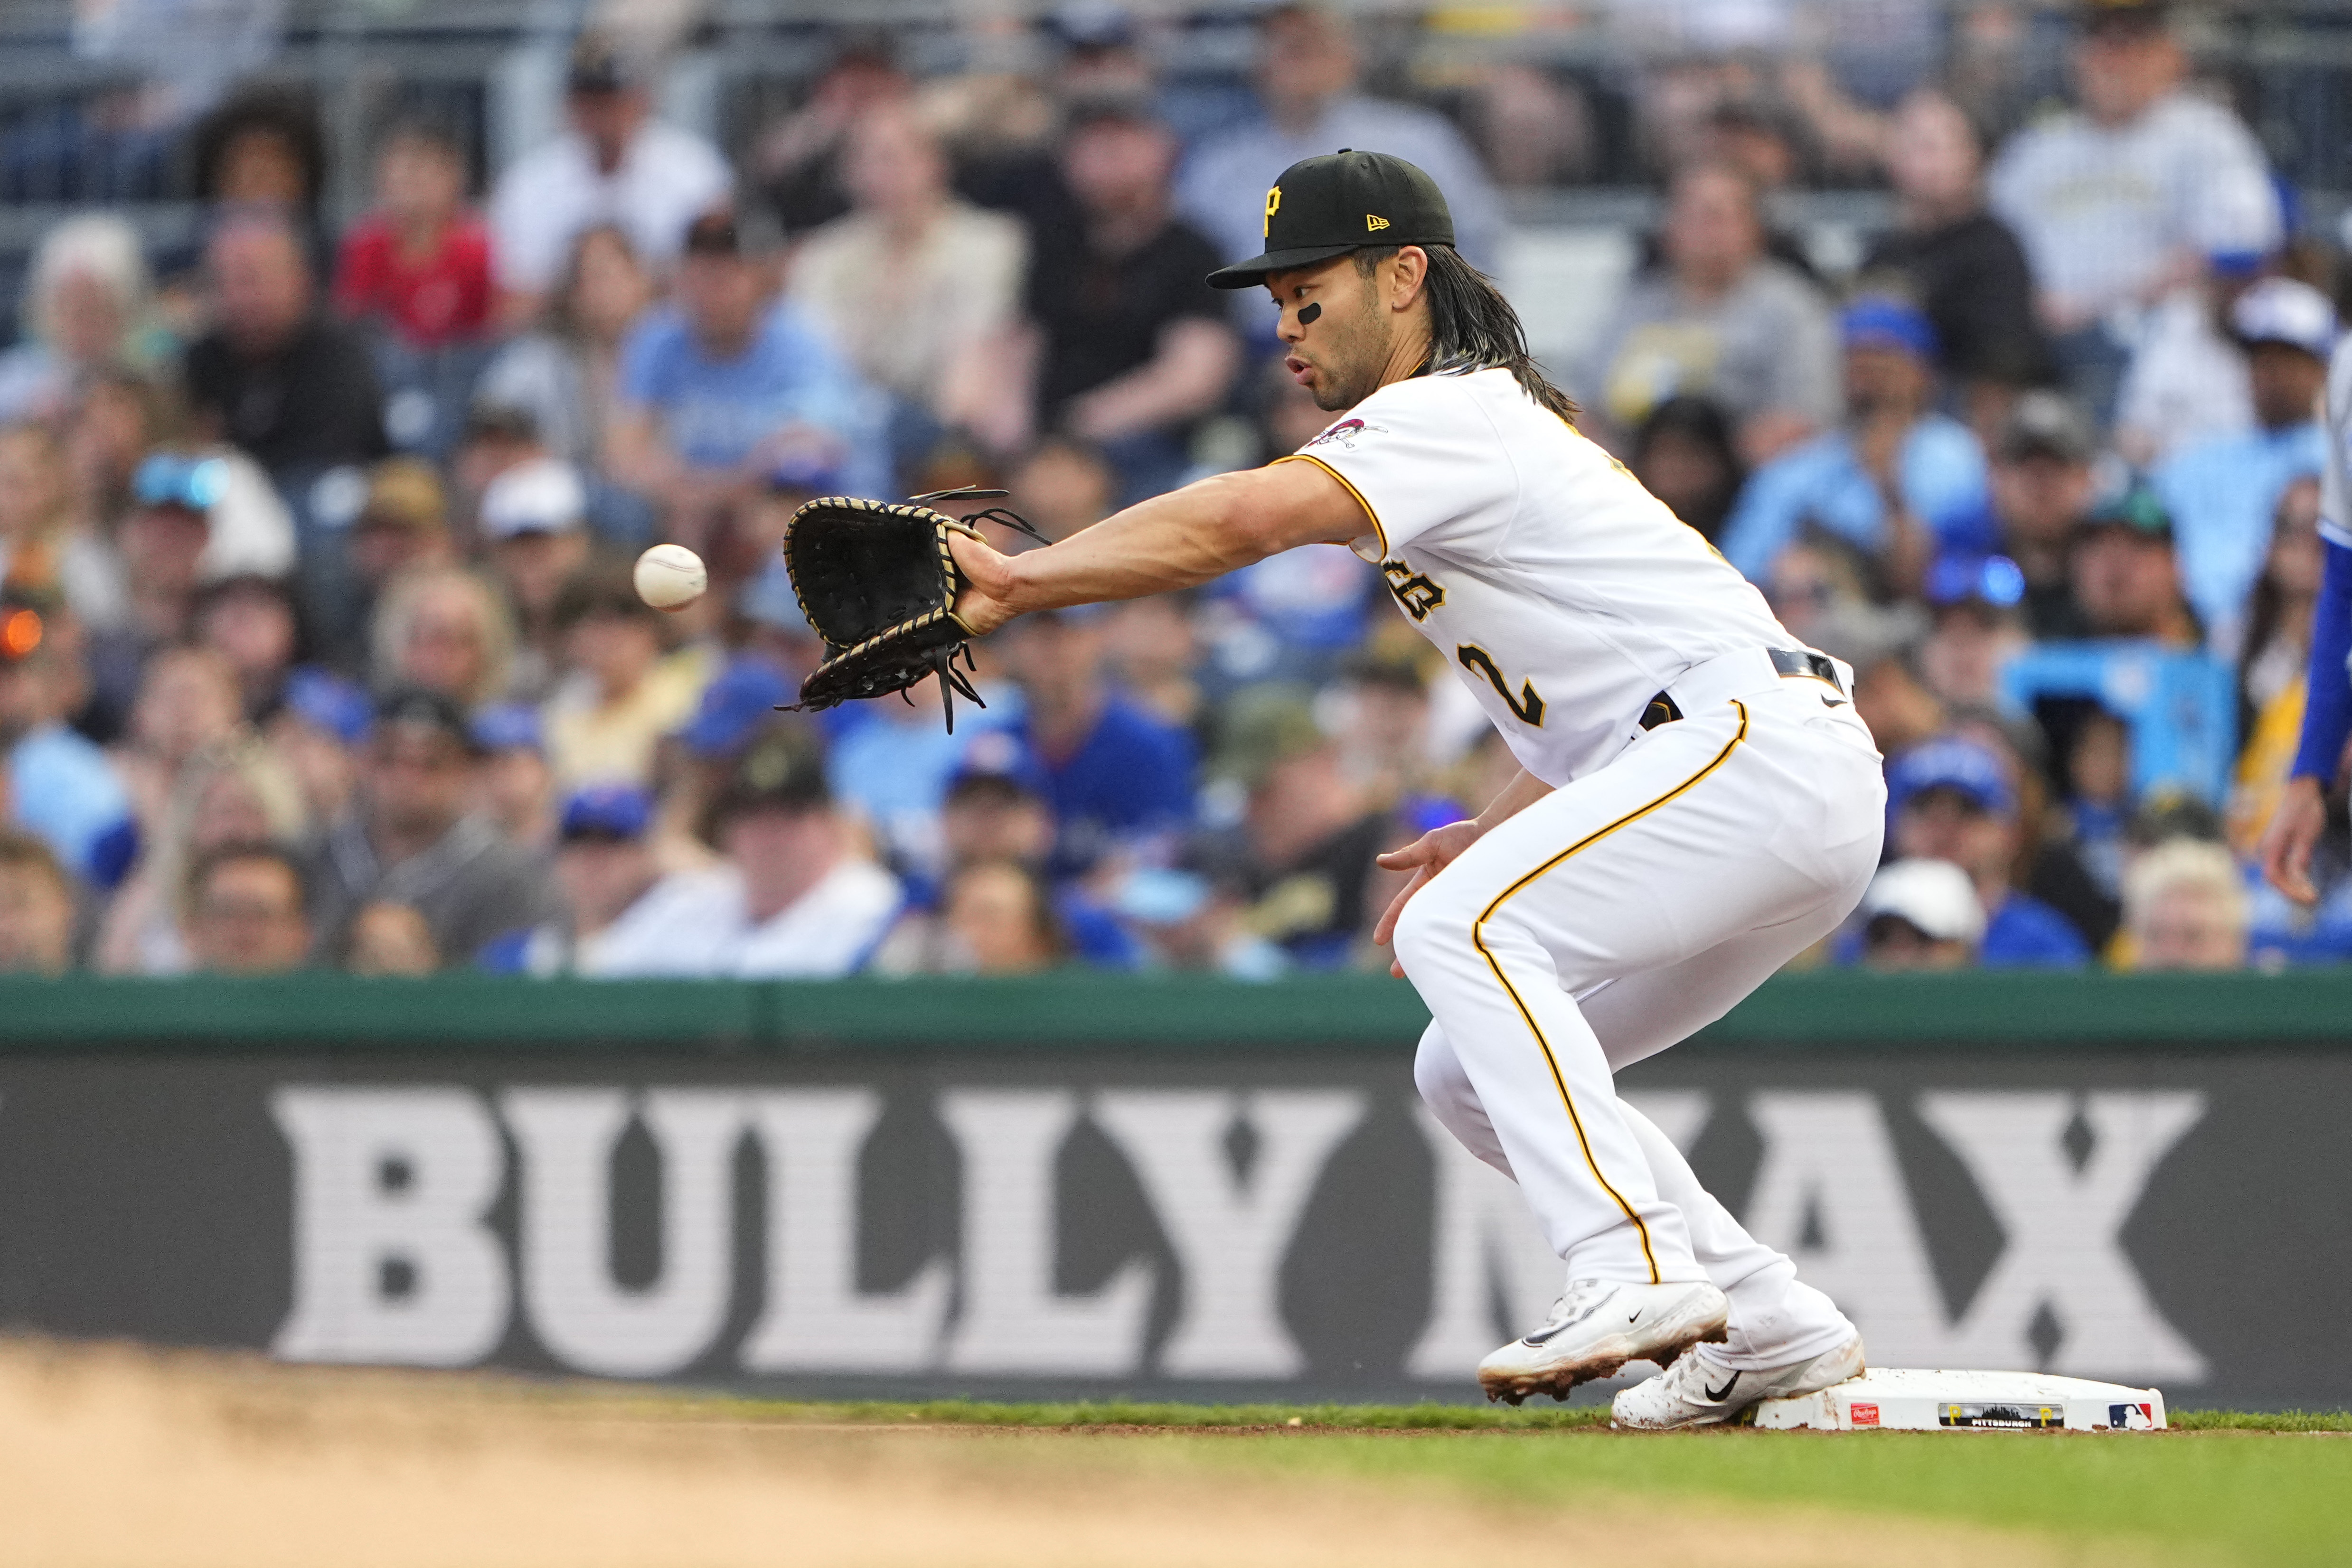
column 1473, row 328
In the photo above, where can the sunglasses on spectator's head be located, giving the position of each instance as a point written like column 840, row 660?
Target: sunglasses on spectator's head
column 168, row 479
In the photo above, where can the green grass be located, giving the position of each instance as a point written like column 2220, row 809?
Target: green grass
column 1426, row 1417
column 2229, row 1487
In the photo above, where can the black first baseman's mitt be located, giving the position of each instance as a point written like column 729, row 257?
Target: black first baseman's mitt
column 876, row 580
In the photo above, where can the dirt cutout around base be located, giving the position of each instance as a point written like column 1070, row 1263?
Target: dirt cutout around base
column 114, row 1458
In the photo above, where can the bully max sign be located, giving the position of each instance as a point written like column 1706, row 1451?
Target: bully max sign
column 999, row 1226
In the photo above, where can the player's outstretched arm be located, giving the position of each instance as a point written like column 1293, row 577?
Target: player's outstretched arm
column 1177, row 540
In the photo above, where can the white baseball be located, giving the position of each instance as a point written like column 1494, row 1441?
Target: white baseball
column 670, row 577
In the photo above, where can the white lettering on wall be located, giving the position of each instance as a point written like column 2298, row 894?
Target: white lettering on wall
column 391, row 1261
column 566, row 1138
column 2062, row 1247
column 1487, row 1244
column 1229, row 1235
column 1830, row 1195
column 817, row 1318
column 1012, row 1319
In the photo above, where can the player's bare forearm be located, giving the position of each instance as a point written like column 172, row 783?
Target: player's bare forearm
column 1177, row 540
column 1523, row 791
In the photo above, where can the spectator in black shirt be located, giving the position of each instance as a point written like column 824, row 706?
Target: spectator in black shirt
column 275, row 375
column 1962, row 264
column 1136, row 345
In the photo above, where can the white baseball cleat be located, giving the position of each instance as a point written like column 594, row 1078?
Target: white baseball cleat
column 1598, row 1325
column 1700, row 1391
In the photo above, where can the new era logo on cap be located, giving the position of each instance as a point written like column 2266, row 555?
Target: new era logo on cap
column 1373, row 223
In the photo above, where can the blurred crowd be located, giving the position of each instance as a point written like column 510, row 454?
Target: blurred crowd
column 318, row 646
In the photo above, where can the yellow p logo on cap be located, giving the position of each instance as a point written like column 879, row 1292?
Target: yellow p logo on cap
column 1273, row 204
column 1374, row 223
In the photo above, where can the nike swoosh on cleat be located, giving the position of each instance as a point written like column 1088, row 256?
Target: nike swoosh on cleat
column 1717, row 1396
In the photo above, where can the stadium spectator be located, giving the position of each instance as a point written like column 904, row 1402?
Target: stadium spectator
column 889, row 763
column 36, row 907
column 2125, row 574
column 1920, row 914
column 1898, row 480
column 619, row 691
column 605, row 867
column 46, row 545
column 264, row 148
column 2223, row 492
column 444, row 629
column 1135, row 347
column 61, row 788
column 2042, row 488
column 563, row 373
column 1307, row 77
column 389, row 938
column 87, row 307
column 917, row 288
column 995, row 917
column 1951, row 800
column 293, row 388
column 1117, row 773
column 519, row 790
column 1974, row 628
column 1685, row 454
column 795, row 897
column 1961, row 263
column 235, row 791
column 2271, row 671
column 317, row 733
column 533, row 520
column 245, row 910
column 723, row 386
column 1190, row 921
column 615, row 164
column 251, row 621
column 188, row 700
column 1719, row 319
column 418, row 267
column 1304, row 851
column 412, row 837
column 2124, row 198
column 2184, row 907
column 2188, row 380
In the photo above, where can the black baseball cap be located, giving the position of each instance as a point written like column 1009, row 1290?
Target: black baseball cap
column 1328, row 206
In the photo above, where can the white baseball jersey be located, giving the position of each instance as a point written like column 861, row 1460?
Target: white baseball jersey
column 1563, row 592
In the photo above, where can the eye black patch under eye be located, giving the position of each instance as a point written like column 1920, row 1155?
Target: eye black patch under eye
column 1307, row 313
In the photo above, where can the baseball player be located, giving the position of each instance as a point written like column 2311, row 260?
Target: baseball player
column 1697, row 802
column 2302, row 815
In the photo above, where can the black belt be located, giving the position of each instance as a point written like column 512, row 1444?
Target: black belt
column 1789, row 661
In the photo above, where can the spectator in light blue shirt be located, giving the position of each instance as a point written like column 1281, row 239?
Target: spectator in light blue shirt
column 1894, row 448
column 2223, row 492
column 60, row 786
column 724, row 386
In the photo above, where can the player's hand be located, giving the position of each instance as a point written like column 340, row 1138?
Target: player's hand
column 2288, row 842
column 1424, row 857
column 983, row 605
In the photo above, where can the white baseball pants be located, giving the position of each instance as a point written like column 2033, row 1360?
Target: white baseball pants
column 1617, row 915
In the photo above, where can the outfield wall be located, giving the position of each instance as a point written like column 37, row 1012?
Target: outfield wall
column 1093, row 1185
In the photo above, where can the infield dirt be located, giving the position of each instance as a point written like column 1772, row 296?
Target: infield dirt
column 128, row 1458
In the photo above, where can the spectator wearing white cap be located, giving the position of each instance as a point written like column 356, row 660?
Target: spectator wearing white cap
column 533, row 519
column 1921, row 914
column 2223, row 492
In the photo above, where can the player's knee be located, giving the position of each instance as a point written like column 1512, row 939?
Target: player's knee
column 1436, row 1071
column 1431, row 932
